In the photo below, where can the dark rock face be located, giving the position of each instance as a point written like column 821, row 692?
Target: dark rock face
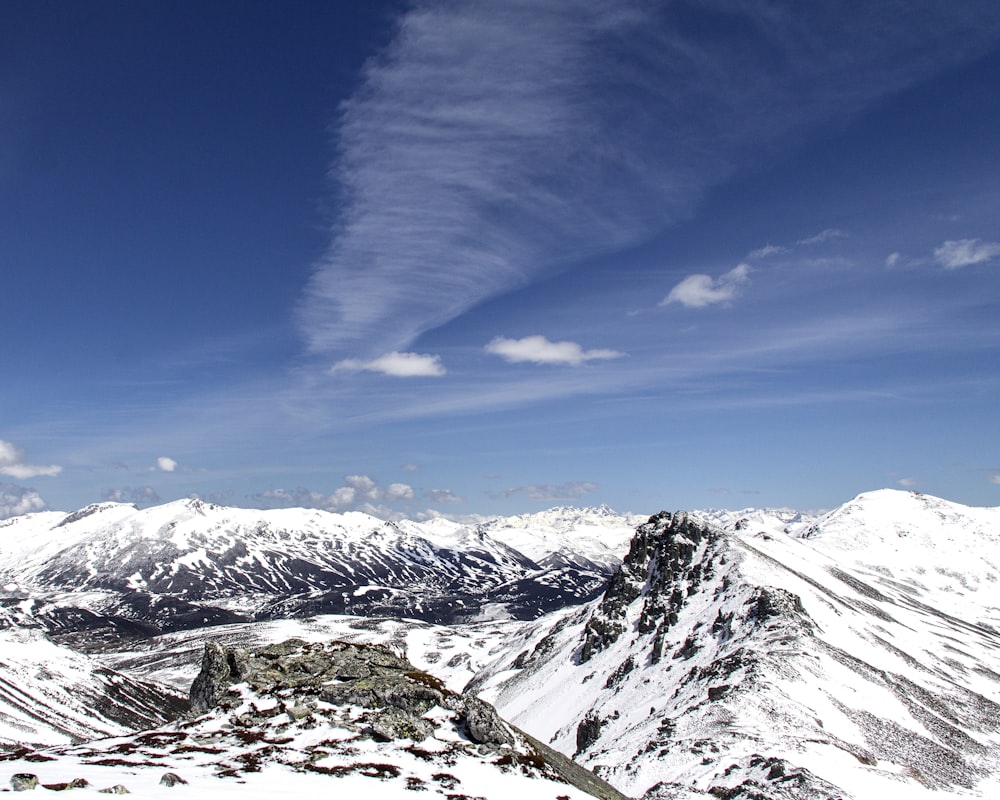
column 665, row 564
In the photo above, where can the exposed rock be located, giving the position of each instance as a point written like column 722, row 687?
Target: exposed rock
column 773, row 778
column 665, row 565
column 171, row 779
column 587, row 732
column 23, row 781
column 371, row 692
column 394, row 723
column 484, row 724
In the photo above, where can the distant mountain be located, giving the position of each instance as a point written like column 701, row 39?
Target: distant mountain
column 859, row 657
column 188, row 564
column 750, row 655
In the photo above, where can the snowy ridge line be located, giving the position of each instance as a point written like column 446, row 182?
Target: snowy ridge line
column 298, row 561
column 743, row 662
column 825, row 658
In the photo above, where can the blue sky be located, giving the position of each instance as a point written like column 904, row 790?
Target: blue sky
column 479, row 258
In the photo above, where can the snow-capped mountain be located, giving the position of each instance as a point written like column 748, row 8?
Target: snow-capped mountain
column 754, row 654
column 861, row 659
column 187, row 564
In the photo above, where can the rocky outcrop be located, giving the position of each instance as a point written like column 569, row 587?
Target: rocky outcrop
column 369, row 676
column 315, row 683
column 666, row 564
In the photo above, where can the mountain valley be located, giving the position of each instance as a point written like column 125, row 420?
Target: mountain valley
column 753, row 654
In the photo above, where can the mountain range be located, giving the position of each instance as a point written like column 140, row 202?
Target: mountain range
column 749, row 654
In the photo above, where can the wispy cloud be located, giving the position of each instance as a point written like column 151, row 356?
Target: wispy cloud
column 398, row 365
column 573, row 490
column 539, row 350
column 442, row 496
column 18, row 500
column 489, row 143
column 699, row 291
column 13, row 464
column 140, row 495
column 824, row 236
column 166, row 464
column 957, row 253
column 767, row 251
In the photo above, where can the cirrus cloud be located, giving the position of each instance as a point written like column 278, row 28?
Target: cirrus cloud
column 539, row 350
column 573, row 490
column 489, row 144
column 397, row 365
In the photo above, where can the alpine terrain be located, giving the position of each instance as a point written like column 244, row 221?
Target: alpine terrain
column 190, row 649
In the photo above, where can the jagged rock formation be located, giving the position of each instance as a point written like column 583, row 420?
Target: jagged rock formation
column 749, row 665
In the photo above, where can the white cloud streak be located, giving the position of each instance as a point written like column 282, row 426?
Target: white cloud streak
column 490, row 143
column 397, row 365
column 539, row 350
column 824, row 236
column 700, row 291
column 573, row 490
column 766, row 251
column 957, row 253
column 13, row 465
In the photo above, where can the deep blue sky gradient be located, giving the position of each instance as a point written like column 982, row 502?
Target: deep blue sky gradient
column 217, row 219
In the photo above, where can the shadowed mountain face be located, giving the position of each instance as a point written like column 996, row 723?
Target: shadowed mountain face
column 188, row 564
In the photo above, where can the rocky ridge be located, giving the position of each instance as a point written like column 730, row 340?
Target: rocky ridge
column 747, row 665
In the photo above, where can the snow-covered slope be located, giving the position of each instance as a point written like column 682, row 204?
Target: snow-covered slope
column 188, row 563
column 51, row 695
column 755, row 664
column 299, row 719
column 453, row 653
